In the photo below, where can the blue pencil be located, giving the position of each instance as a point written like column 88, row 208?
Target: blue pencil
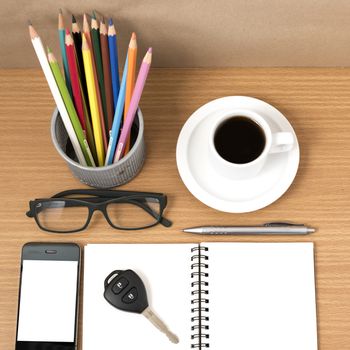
column 113, row 58
column 117, row 117
column 62, row 37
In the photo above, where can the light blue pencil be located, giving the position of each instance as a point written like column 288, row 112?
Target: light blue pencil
column 113, row 59
column 117, row 117
column 62, row 36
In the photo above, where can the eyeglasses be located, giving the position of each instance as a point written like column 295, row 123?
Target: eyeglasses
column 123, row 210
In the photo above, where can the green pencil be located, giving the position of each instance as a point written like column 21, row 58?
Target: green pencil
column 95, row 38
column 70, row 108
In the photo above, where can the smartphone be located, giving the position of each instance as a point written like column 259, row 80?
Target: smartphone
column 47, row 315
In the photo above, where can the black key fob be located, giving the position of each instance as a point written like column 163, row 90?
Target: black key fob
column 126, row 291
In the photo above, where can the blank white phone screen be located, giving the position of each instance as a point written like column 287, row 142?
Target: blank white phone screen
column 48, row 301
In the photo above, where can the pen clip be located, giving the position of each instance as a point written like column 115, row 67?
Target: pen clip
column 277, row 224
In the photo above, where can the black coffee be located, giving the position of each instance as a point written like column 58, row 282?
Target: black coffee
column 239, row 140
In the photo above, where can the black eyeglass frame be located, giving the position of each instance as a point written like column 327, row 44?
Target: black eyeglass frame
column 99, row 201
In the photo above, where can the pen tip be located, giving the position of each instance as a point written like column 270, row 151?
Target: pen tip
column 192, row 230
column 311, row 230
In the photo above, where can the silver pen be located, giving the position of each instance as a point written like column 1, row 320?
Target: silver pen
column 271, row 228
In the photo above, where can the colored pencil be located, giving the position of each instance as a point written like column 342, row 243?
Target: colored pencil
column 74, row 76
column 86, row 31
column 130, row 80
column 95, row 116
column 89, row 132
column 117, row 117
column 41, row 54
column 106, row 74
column 76, row 34
column 62, row 34
column 78, row 95
column 70, row 108
column 113, row 58
column 135, row 99
column 95, row 37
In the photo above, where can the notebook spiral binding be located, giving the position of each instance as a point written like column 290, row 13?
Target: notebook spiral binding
column 200, row 298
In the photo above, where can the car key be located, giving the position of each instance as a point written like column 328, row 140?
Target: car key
column 126, row 291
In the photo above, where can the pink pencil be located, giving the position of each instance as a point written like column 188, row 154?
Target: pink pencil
column 135, row 99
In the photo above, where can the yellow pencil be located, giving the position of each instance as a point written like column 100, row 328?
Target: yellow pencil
column 95, row 115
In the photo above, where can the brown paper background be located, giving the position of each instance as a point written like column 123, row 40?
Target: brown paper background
column 186, row 33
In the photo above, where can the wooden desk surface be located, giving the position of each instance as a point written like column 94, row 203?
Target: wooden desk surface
column 316, row 102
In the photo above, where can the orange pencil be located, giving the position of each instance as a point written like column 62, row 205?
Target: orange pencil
column 86, row 31
column 130, row 80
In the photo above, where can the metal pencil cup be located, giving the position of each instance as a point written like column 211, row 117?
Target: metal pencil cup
column 107, row 176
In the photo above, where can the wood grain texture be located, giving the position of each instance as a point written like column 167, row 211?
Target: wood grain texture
column 316, row 102
column 186, row 33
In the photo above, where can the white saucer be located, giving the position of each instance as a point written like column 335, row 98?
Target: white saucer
column 222, row 193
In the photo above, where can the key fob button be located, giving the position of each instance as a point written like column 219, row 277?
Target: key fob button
column 119, row 285
column 130, row 296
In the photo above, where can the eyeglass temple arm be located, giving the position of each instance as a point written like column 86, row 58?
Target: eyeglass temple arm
column 31, row 212
column 103, row 193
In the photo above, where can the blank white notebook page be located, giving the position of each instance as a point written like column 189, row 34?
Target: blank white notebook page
column 165, row 271
column 262, row 296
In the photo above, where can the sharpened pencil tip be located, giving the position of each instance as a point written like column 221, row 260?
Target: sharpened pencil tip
column 67, row 31
column 30, row 22
column 149, row 50
column 93, row 14
column 133, row 35
column 74, row 19
column 110, row 22
column 83, row 38
column 48, row 49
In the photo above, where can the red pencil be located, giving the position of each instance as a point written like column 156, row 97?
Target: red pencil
column 74, row 75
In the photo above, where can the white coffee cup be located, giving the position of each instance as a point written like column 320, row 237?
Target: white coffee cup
column 275, row 142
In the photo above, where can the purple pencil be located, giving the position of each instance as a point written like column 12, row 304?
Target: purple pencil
column 135, row 100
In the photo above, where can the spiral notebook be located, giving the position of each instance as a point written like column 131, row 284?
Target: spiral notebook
column 241, row 296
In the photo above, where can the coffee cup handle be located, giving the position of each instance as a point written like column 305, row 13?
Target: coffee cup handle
column 282, row 142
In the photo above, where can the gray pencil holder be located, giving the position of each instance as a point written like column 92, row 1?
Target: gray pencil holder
column 107, row 176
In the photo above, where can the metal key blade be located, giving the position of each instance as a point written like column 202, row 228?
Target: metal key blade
column 157, row 322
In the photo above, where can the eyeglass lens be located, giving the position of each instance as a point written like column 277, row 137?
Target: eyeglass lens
column 61, row 215
column 135, row 213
